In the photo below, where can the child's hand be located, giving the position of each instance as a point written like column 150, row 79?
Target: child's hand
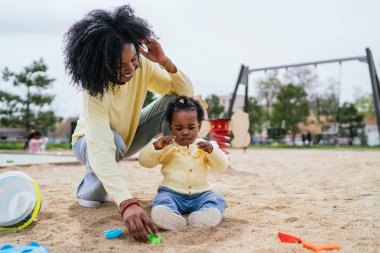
column 163, row 142
column 206, row 146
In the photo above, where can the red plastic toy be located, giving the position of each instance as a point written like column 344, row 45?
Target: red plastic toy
column 314, row 247
column 219, row 132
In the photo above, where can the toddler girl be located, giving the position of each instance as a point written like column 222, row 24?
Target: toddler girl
column 185, row 160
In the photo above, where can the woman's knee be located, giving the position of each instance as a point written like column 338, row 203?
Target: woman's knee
column 167, row 98
column 80, row 150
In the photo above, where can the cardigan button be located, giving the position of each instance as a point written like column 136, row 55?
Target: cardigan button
column 190, row 170
column 189, row 187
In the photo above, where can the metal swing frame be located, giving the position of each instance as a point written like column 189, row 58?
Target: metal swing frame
column 245, row 72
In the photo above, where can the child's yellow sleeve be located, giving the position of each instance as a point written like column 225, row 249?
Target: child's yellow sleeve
column 217, row 160
column 150, row 157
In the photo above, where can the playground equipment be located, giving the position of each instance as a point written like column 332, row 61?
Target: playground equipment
column 245, row 72
column 219, row 132
column 239, row 128
column 220, row 129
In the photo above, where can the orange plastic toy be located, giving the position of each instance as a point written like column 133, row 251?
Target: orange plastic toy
column 314, row 247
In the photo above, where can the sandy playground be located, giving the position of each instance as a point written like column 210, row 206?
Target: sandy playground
column 318, row 195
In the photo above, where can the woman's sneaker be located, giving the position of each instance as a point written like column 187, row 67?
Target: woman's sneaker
column 165, row 218
column 92, row 203
column 209, row 217
column 89, row 203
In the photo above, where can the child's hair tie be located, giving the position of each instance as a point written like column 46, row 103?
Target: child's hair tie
column 182, row 101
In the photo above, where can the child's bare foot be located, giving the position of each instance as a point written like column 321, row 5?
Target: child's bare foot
column 166, row 218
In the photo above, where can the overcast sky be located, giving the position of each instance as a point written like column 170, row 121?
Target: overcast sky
column 208, row 40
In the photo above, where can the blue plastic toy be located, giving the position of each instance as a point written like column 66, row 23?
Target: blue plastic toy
column 33, row 247
column 113, row 233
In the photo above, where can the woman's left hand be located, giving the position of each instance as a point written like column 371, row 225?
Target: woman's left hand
column 154, row 51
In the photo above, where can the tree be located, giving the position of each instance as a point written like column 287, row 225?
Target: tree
column 268, row 89
column 215, row 109
column 327, row 110
column 325, row 106
column 29, row 107
column 350, row 121
column 366, row 106
column 256, row 115
column 290, row 108
column 304, row 77
column 8, row 110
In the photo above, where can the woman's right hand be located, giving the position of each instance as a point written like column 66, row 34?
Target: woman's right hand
column 138, row 223
column 163, row 142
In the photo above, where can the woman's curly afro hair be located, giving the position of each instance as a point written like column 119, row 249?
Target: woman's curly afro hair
column 93, row 47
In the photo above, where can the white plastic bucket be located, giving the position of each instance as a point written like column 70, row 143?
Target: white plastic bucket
column 19, row 197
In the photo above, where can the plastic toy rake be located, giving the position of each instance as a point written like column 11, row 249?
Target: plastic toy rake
column 314, row 247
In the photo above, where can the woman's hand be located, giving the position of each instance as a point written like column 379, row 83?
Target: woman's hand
column 138, row 223
column 163, row 142
column 206, row 146
column 154, row 52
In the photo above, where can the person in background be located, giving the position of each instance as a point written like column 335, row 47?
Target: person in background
column 303, row 137
column 33, row 144
column 308, row 138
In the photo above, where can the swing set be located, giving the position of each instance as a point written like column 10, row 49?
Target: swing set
column 245, row 71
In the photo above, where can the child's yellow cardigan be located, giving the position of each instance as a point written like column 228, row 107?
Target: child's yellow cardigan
column 184, row 169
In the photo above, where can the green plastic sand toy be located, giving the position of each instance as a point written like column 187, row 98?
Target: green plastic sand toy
column 155, row 240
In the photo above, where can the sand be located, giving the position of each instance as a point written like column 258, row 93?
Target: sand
column 319, row 195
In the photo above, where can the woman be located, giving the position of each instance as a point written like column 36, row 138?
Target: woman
column 115, row 59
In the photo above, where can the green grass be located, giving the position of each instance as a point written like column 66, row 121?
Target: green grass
column 58, row 146
column 15, row 146
column 12, row 146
